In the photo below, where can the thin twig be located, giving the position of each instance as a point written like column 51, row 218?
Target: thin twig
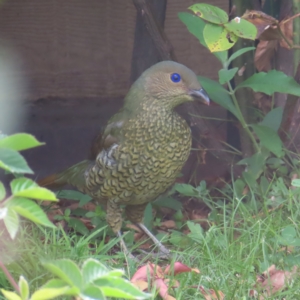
column 9, row 277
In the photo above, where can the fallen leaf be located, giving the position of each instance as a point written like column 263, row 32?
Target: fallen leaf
column 169, row 224
column 212, row 294
column 179, row 268
column 141, row 284
column 162, row 289
column 272, row 281
column 156, row 276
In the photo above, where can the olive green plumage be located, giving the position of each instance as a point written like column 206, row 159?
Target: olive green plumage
column 143, row 147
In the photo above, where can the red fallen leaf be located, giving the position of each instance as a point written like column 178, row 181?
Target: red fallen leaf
column 179, row 268
column 273, row 280
column 175, row 283
column 162, row 289
column 143, row 272
column 212, row 294
column 157, row 277
column 141, row 285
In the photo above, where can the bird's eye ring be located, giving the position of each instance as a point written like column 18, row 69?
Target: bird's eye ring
column 175, row 77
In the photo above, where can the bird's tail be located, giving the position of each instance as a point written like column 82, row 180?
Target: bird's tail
column 73, row 176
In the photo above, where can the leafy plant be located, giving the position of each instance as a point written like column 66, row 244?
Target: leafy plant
column 22, row 189
column 213, row 30
column 94, row 280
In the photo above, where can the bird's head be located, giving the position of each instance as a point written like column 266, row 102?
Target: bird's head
column 170, row 84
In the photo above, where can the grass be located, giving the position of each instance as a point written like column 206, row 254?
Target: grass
column 240, row 244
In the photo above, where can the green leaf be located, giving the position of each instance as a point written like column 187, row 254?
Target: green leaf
column 78, row 225
column 57, row 286
column 93, row 270
column 20, row 141
column 266, row 83
column 275, row 162
column 30, row 210
column 24, row 288
column 289, row 232
column 255, row 163
column 67, row 271
column 250, row 179
column 289, row 237
column 226, row 75
column 218, row 38
column 273, row 118
column 238, row 53
column 196, row 26
column 74, row 195
column 269, row 139
column 210, row 13
column 196, row 233
column 264, row 185
column 178, row 238
column 24, row 187
column 168, row 202
column 148, row 216
column 11, row 222
column 239, row 186
column 296, row 182
column 10, row 295
column 2, row 191
column 120, row 288
column 241, row 28
column 13, row 161
column 92, row 293
column 185, row 189
column 49, row 293
column 218, row 94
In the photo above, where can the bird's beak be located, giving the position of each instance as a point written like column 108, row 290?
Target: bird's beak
column 200, row 95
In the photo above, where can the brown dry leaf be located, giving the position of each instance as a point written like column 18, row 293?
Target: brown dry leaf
column 263, row 102
column 242, row 70
column 212, row 294
column 141, row 284
column 286, row 27
column 134, row 227
column 272, row 281
column 267, row 26
column 87, row 223
column 169, row 224
column 264, row 53
column 270, row 32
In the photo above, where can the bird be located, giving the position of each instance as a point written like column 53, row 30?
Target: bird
column 142, row 149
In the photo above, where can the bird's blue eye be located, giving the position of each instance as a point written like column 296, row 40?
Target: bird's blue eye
column 175, row 77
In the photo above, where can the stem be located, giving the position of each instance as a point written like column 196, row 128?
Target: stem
column 9, row 277
column 242, row 119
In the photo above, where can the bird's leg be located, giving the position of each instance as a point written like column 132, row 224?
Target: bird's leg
column 135, row 214
column 163, row 251
column 114, row 220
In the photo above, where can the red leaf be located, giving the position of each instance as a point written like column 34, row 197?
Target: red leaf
column 179, row 268
column 162, row 289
